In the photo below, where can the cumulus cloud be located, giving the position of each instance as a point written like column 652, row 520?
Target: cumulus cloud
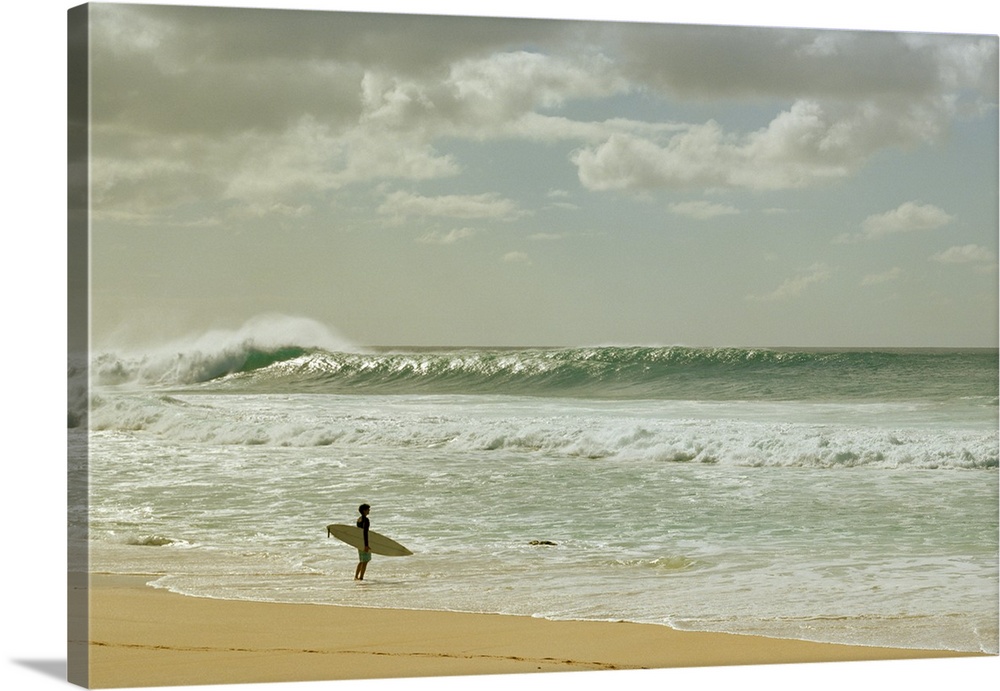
column 507, row 85
column 807, row 144
column 965, row 254
column 735, row 62
column 908, row 217
column 843, row 111
column 796, row 285
column 267, row 108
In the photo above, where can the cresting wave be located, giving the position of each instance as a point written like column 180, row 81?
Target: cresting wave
column 257, row 344
column 604, row 372
column 186, row 368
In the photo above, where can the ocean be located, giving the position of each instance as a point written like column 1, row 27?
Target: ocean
column 831, row 495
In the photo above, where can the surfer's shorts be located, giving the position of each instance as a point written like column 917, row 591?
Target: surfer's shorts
column 364, row 556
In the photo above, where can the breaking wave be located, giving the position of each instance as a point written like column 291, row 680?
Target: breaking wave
column 606, row 372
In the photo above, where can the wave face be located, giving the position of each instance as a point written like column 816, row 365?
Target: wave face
column 678, row 373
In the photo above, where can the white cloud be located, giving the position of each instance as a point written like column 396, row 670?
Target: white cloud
column 796, row 285
column 965, row 254
column 906, row 218
column 374, row 156
column 843, row 109
column 258, row 170
column 329, row 100
column 499, row 95
column 702, row 210
column 507, row 85
column 802, row 146
column 482, row 206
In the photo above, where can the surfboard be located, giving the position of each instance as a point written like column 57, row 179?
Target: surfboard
column 379, row 544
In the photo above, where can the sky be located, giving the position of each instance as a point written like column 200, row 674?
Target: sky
column 497, row 181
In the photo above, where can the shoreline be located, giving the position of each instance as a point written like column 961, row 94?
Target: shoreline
column 145, row 636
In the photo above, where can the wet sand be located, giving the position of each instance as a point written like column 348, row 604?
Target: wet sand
column 141, row 636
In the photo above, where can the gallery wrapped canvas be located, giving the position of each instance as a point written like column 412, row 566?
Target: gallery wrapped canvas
column 604, row 345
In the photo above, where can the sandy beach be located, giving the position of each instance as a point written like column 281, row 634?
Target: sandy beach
column 141, row 636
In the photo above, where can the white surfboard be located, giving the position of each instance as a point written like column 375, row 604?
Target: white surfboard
column 379, row 544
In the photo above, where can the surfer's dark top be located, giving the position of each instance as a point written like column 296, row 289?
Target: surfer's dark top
column 363, row 523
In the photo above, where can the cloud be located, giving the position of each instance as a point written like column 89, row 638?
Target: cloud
column 500, row 95
column 702, row 210
column 908, row 217
column 842, row 110
column 288, row 118
column 965, row 254
column 370, row 156
column 736, row 62
column 796, row 285
column 481, row 206
column 140, row 187
column 803, row 146
column 151, row 174
column 267, row 108
column 507, row 85
column 270, row 108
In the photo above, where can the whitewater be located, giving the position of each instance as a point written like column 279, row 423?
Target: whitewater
column 832, row 495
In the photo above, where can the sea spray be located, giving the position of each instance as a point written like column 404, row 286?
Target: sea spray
column 209, row 355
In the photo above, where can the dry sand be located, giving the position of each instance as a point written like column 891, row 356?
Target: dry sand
column 141, row 636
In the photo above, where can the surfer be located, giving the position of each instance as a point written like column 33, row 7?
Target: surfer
column 364, row 554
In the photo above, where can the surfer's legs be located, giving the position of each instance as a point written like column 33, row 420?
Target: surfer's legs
column 363, row 559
